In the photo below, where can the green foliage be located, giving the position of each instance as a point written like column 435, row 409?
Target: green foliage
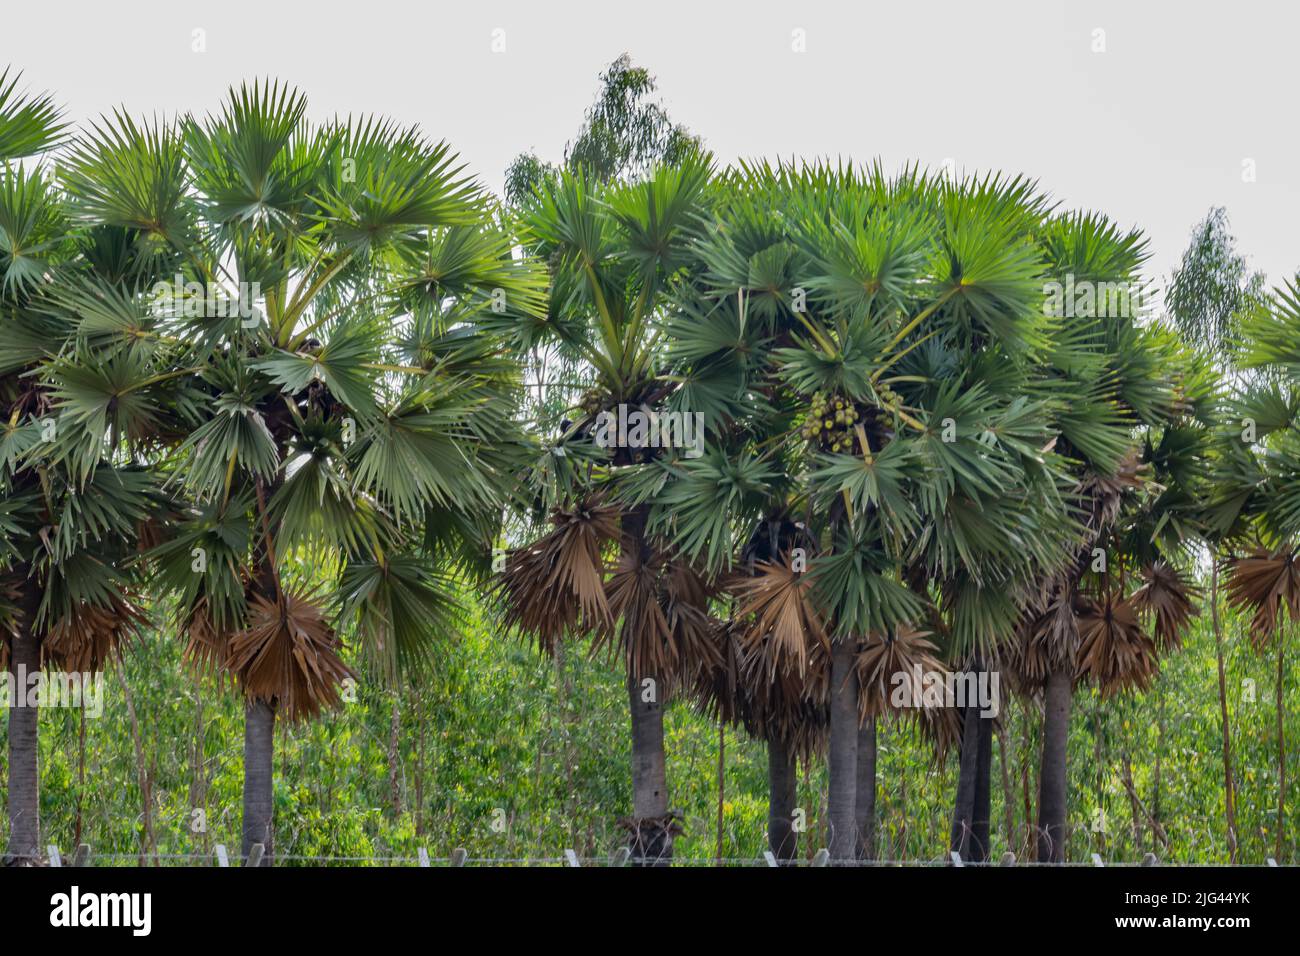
column 495, row 726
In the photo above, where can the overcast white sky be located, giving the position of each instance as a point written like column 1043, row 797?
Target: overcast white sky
column 1153, row 131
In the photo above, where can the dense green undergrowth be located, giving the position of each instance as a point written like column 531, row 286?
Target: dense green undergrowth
column 509, row 756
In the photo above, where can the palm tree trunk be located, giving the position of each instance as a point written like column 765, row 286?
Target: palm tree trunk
column 866, row 797
column 259, row 752
column 651, row 825
column 651, row 840
column 782, row 793
column 24, row 773
column 1052, row 781
column 843, row 755
column 1281, row 749
column 963, row 812
column 259, row 716
column 983, row 805
column 1229, row 789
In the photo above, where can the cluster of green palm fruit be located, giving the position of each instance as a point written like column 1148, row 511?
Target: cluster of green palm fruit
column 830, row 422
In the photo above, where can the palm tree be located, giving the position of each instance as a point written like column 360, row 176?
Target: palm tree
column 1136, row 403
column 345, row 432
column 1256, row 507
column 75, row 505
column 614, row 253
column 858, row 345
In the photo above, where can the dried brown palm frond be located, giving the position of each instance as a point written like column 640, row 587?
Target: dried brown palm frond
column 885, row 661
column 1048, row 639
column 555, row 585
column 715, row 689
column 1115, row 652
column 658, row 606
column 87, row 640
column 1103, row 494
column 288, row 654
column 686, row 593
column 777, row 604
column 1166, row 595
column 1264, row 583
column 770, row 700
column 771, row 666
column 643, row 633
column 781, row 703
column 206, row 646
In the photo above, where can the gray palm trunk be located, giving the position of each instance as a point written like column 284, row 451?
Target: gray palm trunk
column 843, row 756
column 24, row 770
column 259, row 724
column 782, row 781
column 1052, row 783
column 651, row 841
column 259, row 778
column 866, row 797
column 974, row 803
column 963, row 814
column 980, row 824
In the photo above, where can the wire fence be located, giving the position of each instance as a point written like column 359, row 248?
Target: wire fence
column 221, row 858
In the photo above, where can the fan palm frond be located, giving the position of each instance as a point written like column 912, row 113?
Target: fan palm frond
column 1115, row 652
column 1265, row 583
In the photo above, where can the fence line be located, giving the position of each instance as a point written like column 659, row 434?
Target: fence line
column 220, row 857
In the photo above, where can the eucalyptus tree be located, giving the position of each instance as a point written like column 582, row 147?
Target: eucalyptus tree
column 75, row 504
column 347, row 431
column 615, row 252
column 1255, row 502
column 623, row 135
column 1211, row 293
